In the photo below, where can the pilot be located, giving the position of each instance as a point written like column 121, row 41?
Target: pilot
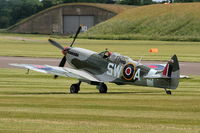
column 106, row 54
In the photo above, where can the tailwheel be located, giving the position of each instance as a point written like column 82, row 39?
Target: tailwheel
column 74, row 88
column 102, row 88
column 168, row 92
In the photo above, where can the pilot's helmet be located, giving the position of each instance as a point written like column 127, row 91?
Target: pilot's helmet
column 107, row 54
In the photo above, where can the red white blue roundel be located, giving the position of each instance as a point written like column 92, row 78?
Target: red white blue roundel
column 128, row 71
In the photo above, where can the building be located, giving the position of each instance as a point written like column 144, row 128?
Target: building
column 65, row 18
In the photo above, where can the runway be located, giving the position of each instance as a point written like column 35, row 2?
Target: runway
column 187, row 68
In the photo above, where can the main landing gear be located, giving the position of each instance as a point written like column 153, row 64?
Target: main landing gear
column 168, row 92
column 75, row 88
column 102, row 88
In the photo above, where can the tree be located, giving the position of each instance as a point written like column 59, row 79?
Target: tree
column 49, row 3
column 89, row 1
column 4, row 14
column 135, row 2
column 23, row 8
column 12, row 11
column 184, row 1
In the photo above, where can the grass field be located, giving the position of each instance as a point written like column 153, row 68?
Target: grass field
column 179, row 21
column 37, row 103
column 38, row 46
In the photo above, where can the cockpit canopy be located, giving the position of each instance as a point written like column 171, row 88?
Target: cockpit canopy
column 105, row 54
column 114, row 57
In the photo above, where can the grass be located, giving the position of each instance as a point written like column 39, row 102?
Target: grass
column 173, row 22
column 38, row 46
column 38, row 103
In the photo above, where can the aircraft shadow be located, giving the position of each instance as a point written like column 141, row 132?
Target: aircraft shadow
column 147, row 92
column 39, row 93
column 84, row 93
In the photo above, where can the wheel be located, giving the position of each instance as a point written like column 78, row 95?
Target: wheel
column 169, row 92
column 74, row 88
column 102, row 88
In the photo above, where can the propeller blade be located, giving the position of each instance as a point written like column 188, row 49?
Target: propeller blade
column 62, row 64
column 63, row 61
column 78, row 31
column 54, row 43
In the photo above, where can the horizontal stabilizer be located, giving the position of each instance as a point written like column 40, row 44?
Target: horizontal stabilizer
column 168, row 77
column 156, row 77
column 164, row 77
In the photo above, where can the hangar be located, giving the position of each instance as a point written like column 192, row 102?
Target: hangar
column 65, row 18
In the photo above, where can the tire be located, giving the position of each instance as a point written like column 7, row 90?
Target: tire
column 74, row 88
column 102, row 88
column 169, row 92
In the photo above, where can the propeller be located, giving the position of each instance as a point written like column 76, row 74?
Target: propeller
column 54, row 43
column 77, row 32
column 62, row 64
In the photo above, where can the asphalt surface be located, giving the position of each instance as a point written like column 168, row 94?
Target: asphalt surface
column 187, row 68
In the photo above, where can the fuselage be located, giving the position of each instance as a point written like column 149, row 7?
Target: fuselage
column 114, row 68
column 98, row 68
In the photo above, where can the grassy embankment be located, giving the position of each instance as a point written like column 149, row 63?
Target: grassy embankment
column 180, row 21
column 38, row 103
column 110, row 7
column 38, row 46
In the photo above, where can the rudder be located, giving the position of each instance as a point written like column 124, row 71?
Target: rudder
column 172, row 71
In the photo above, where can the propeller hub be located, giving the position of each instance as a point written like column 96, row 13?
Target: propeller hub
column 64, row 52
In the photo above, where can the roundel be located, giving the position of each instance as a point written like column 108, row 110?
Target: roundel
column 128, row 71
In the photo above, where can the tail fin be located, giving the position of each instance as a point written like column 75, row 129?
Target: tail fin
column 172, row 71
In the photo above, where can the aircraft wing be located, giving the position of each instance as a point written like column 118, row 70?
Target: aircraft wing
column 61, row 71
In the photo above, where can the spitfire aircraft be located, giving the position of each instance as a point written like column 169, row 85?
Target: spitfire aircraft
column 98, row 68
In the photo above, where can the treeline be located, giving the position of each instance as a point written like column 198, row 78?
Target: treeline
column 12, row 11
